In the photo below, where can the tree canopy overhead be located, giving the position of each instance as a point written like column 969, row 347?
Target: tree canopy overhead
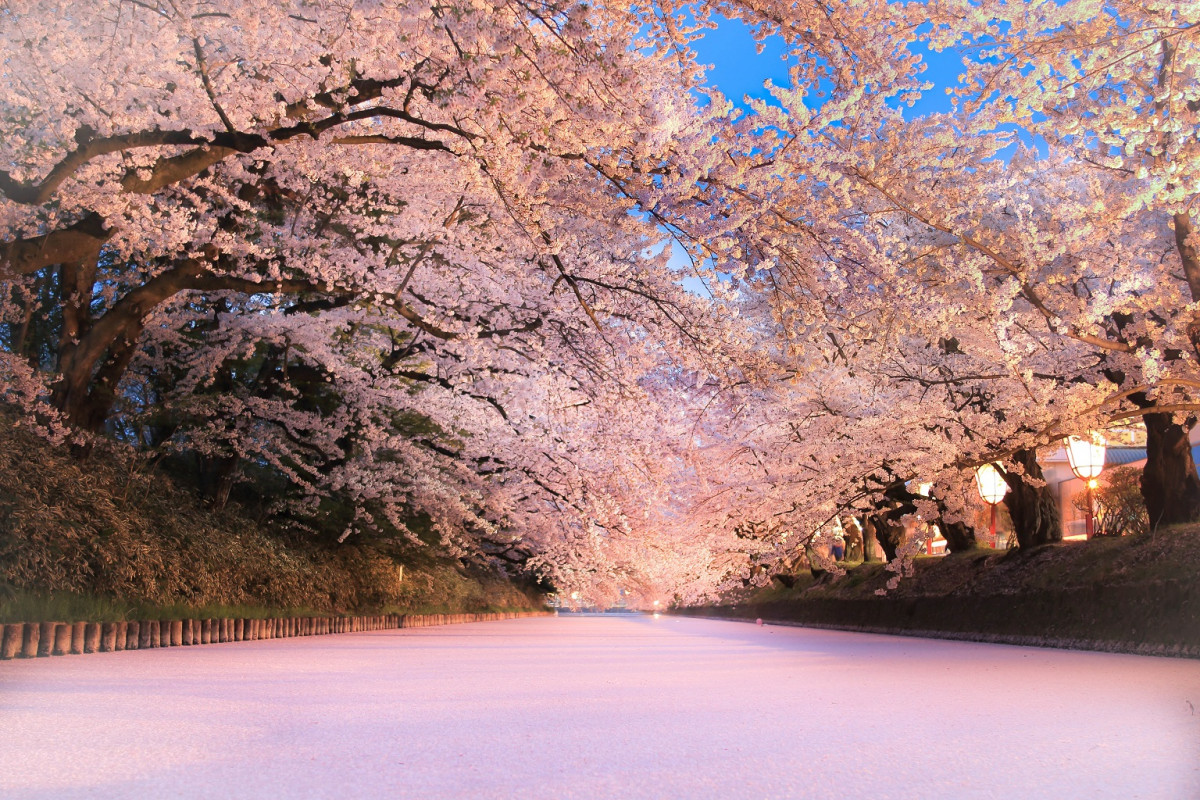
column 413, row 262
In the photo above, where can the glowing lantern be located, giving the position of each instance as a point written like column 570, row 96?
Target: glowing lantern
column 1086, row 456
column 992, row 488
column 991, row 483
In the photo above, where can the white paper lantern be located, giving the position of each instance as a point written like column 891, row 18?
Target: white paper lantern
column 991, row 483
column 1086, row 455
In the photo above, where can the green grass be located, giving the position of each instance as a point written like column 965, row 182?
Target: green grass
column 446, row 609
column 71, row 607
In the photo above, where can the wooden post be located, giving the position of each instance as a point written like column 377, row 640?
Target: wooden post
column 122, row 635
column 108, row 637
column 10, row 643
column 62, row 639
column 46, row 638
column 133, row 635
column 30, row 637
column 91, row 637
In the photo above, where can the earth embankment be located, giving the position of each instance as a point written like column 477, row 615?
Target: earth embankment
column 1130, row 594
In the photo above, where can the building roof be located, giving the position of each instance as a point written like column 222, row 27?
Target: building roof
column 1120, row 456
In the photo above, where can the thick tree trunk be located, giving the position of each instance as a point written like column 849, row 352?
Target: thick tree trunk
column 854, row 544
column 867, row 536
column 86, row 397
column 959, row 536
column 1189, row 254
column 218, row 474
column 890, row 535
column 1170, row 485
column 1032, row 509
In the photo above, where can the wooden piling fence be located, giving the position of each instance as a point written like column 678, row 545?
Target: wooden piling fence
column 42, row 639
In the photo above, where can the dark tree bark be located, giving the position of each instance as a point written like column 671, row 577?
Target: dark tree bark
column 855, row 551
column 218, row 474
column 1170, row 485
column 889, row 534
column 784, row 579
column 960, row 537
column 1033, row 510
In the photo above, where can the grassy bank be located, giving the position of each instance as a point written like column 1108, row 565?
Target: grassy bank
column 1130, row 594
column 111, row 538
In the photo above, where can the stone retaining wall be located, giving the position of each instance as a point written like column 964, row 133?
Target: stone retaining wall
column 1151, row 618
column 37, row 639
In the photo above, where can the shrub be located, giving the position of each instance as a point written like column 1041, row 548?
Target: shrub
column 1120, row 509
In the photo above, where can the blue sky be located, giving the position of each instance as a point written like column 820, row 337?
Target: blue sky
column 738, row 70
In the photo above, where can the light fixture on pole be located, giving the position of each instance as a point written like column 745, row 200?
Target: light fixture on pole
column 992, row 488
column 1086, row 456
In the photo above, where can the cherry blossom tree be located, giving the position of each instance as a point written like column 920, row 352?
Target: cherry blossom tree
column 289, row 234
column 1114, row 85
column 415, row 258
column 1033, row 291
